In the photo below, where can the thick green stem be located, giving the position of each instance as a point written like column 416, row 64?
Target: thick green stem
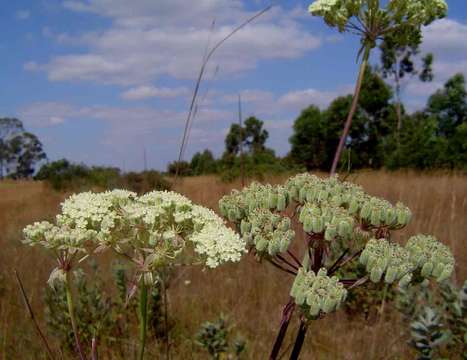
column 143, row 318
column 71, row 312
column 353, row 108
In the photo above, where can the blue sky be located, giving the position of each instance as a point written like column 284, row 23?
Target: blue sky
column 100, row 80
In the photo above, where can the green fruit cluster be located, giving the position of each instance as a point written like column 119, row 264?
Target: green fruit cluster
column 317, row 292
column 269, row 233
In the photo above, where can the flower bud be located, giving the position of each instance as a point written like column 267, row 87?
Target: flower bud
column 317, row 224
column 307, row 224
column 353, row 206
column 272, row 200
column 445, row 274
column 245, row 227
column 281, row 202
column 375, row 217
column 375, row 275
column 427, row 269
column 391, row 274
column 365, row 211
column 330, row 232
column 405, row 281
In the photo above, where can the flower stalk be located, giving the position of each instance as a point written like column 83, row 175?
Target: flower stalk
column 143, row 318
column 71, row 312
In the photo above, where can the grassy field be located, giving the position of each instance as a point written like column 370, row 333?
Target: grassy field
column 251, row 295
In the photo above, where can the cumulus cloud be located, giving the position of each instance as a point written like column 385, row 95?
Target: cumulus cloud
column 147, row 91
column 149, row 39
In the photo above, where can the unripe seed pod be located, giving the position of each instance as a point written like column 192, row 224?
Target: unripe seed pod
column 302, row 195
column 261, row 243
column 364, row 257
column 344, row 229
column 375, row 217
column 307, row 224
column 329, row 305
column 390, row 216
column 245, row 227
column 272, row 200
column 365, row 211
column 317, row 224
column 330, row 232
column 391, row 275
column 427, row 269
column 284, row 244
column 281, row 202
column 438, row 269
column 232, row 216
column 445, row 274
column 405, row 281
column 353, row 206
column 376, row 274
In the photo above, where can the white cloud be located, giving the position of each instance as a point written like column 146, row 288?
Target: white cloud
column 23, row 14
column 148, row 39
column 445, row 37
column 300, row 99
column 147, row 91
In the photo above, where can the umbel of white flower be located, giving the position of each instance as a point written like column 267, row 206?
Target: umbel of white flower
column 339, row 216
column 153, row 229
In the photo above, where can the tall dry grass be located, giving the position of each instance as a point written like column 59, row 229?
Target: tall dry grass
column 250, row 294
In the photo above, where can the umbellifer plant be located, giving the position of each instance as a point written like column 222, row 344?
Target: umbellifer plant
column 401, row 20
column 150, row 231
column 341, row 223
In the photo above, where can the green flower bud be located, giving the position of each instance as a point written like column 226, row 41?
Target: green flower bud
column 353, row 206
column 314, row 309
column 438, row 269
column 427, row 269
column 365, row 211
column 344, row 229
column 391, row 275
column 261, row 243
column 390, row 216
column 329, row 305
column 317, row 224
column 376, row 274
column 272, row 200
column 232, row 215
column 405, row 281
column 302, row 195
column 245, row 227
column 307, row 224
column 364, row 257
column 375, row 217
column 281, row 202
column 445, row 274
column 330, row 233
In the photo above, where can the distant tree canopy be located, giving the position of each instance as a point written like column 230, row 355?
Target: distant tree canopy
column 20, row 151
column 435, row 137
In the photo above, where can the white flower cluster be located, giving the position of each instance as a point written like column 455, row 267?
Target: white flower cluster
column 269, row 233
column 432, row 257
column 317, row 292
column 402, row 17
column 157, row 224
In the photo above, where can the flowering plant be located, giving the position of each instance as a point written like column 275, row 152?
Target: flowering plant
column 151, row 231
column 341, row 223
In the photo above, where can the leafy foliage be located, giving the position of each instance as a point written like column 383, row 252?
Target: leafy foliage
column 215, row 336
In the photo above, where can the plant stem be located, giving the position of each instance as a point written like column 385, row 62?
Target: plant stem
column 286, row 316
column 143, row 318
column 353, row 108
column 297, row 348
column 71, row 311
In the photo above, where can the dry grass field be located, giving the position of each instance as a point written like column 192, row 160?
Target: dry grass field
column 249, row 294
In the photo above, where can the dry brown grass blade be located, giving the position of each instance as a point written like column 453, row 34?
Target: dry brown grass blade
column 33, row 318
column 200, row 78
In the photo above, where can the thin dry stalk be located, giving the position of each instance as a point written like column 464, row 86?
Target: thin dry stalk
column 33, row 318
column 199, row 80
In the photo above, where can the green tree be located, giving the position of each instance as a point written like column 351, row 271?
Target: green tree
column 9, row 128
column 251, row 137
column 25, row 151
column 397, row 62
column 203, row 163
column 449, row 105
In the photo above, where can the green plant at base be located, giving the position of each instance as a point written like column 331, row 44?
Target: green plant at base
column 214, row 337
column 341, row 223
column 449, row 302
